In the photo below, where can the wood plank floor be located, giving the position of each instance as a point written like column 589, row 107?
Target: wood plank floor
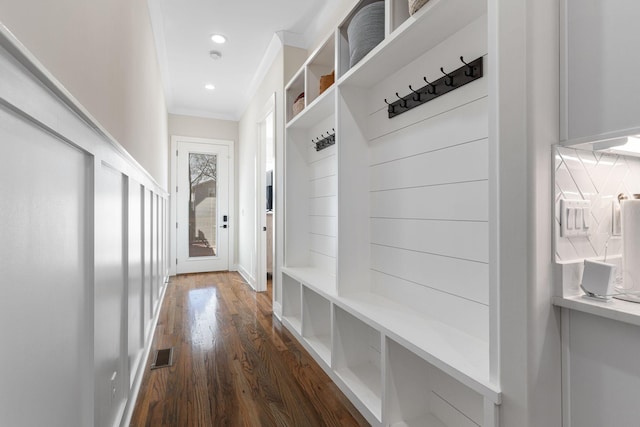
column 234, row 364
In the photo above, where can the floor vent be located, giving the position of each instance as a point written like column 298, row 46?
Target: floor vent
column 162, row 358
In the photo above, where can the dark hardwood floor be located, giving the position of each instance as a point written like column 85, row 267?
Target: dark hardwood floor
column 234, row 364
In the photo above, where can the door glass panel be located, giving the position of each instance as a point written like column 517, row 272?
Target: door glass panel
column 202, row 204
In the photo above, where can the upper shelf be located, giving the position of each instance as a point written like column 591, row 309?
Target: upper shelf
column 320, row 108
column 435, row 22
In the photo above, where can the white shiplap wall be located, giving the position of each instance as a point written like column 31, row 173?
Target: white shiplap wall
column 323, row 184
column 429, row 192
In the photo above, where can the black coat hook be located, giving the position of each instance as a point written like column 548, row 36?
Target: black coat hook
column 465, row 73
column 471, row 70
column 431, row 85
column 392, row 108
column 417, row 93
column 449, row 80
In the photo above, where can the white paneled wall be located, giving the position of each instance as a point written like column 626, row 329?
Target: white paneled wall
column 312, row 240
column 47, row 277
column 111, row 378
column 429, row 193
column 83, row 228
column 135, row 276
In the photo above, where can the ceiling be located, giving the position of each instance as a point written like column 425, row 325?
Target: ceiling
column 183, row 30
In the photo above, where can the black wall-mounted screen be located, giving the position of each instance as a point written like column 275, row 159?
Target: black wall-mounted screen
column 269, row 191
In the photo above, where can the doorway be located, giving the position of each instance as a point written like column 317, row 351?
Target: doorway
column 265, row 195
column 201, row 200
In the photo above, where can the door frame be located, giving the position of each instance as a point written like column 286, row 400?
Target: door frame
column 175, row 139
column 261, row 197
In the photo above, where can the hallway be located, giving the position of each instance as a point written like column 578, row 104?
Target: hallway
column 233, row 365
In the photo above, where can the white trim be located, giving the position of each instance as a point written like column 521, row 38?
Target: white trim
column 202, row 113
column 564, row 77
column 157, row 27
column 565, row 331
column 135, row 390
column 277, row 310
column 292, row 39
column 247, row 277
column 270, row 55
column 260, row 224
column 232, row 196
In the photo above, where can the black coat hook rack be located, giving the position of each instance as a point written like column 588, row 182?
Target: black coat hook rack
column 324, row 140
column 467, row 73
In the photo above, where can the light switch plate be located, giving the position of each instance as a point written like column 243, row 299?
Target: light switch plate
column 575, row 218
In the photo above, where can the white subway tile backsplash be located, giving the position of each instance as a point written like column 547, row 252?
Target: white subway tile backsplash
column 598, row 177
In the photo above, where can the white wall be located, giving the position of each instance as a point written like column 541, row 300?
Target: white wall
column 288, row 60
column 89, row 285
column 73, row 258
column 201, row 127
column 524, row 52
column 104, row 54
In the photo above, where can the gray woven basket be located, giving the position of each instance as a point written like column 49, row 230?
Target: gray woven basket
column 365, row 31
column 415, row 5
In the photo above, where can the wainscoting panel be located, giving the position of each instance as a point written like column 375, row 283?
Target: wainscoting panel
column 136, row 319
column 46, row 228
column 76, row 225
column 111, row 378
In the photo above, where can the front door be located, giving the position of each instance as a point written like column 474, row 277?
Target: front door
column 202, row 207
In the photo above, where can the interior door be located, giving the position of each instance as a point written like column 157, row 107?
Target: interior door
column 202, row 232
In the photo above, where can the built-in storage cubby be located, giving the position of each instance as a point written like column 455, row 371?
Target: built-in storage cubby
column 346, row 48
column 422, row 395
column 322, row 63
column 357, row 359
column 398, row 14
column 291, row 302
column 316, row 323
column 311, row 200
column 387, row 231
column 292, row 92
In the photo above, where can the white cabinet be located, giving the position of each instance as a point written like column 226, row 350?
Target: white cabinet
column 386, row 266
column 600, row 59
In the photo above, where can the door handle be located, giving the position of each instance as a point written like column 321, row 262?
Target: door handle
column 223, row 226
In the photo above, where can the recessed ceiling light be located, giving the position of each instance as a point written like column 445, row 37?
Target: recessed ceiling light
column 215, row 55
column 209, row 86
column 218, row 38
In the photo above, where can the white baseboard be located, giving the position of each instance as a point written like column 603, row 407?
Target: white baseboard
column 277, row 310
column 133, row 396
column 247, row 277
